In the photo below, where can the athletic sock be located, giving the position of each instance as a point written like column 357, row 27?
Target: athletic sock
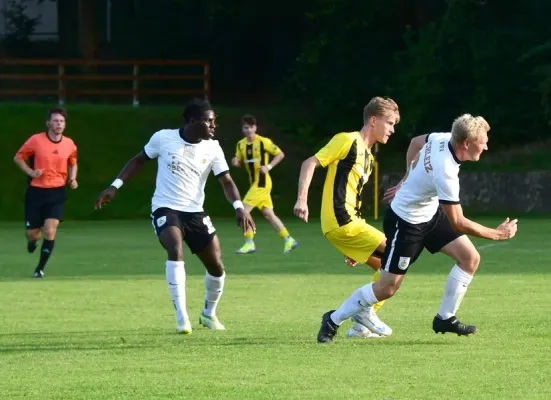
column 45, row 253
column 214, row 287
column 176, row 279
column 360, row 300
column 249, row 236
column 284, row 234
column 456, row 287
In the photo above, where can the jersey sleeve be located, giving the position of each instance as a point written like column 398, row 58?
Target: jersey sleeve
column 438, row 136
column 447, row 187
column 73, row 156
column 219, row 163
column 271, row 147
column 27, row 150
column 153, row 148
column 336, row 149
column 238, row 152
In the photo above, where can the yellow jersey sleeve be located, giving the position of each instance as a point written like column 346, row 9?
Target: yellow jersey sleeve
column 337, row 148
column 238, row 152
column 271, row 147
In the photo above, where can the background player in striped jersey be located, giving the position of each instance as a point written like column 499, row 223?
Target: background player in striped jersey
column 50, row 160
column 350, row 162
column 254, row 151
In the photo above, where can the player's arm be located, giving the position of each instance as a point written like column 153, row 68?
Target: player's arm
column 336, row 149
column 447, row 188
column 221, row 171
column 72, row 169
column 415, row 146
column 276, row 153
column 461, row 224
column 238, row 158
column 22, row 155
column 131, row 169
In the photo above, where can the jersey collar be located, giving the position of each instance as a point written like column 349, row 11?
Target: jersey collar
column 453, row 153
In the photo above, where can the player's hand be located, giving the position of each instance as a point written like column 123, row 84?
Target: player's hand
column 36, row 173
column 507, row 229
column 244, row 220
column 350, row 262
column 391, row 192
column 105, row 197
column 264, row 170
column 73, row 184
column 301, row 210
column 235, row 162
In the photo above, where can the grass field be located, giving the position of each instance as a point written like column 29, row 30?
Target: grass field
column 101, row 324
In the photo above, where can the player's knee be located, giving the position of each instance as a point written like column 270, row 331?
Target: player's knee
column 386, row 288
column 49, row 232
column 33, row 235
column 470, row 261
column 215, row 268
column 267, row 213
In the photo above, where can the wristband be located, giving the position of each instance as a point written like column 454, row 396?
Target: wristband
column 117, row 183
column 269, row 166
column 237, row 204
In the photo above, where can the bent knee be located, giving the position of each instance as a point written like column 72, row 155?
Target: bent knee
column 470, row 261
column 49, row 233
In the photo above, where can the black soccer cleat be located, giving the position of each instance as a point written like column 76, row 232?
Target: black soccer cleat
column 328, row 328
column 452, row 325
column 31, row 246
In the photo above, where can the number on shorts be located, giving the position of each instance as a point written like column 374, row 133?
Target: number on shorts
column 208, row 224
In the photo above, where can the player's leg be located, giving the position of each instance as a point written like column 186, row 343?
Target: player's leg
column 267, row 211
column 249, row 202
column 444, row 239
column 167, row 226
column 215, row 277
column 201, row 238
column 52, row 212
column 33, row 218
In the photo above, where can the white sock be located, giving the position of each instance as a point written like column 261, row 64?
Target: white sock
column 214, row 286
column 176, row 279
column 456, row 287
column 359, row 300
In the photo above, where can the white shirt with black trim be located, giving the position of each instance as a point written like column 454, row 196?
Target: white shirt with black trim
column 183, row 169
column 433, row 178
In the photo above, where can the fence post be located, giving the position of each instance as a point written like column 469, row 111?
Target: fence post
column 135, row 86
column 61, row 84
column 206, row 83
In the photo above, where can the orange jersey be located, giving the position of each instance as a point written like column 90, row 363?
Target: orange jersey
column 52, row 158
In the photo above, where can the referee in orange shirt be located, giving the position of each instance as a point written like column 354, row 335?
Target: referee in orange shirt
column 50, row 160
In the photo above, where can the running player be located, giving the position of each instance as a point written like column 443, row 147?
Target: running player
column 185, row 158
column 50, row 160
column 255, row 150
column 350, row 162
column 426, row 213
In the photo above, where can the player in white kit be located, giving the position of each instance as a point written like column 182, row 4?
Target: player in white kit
column 185, row 158
column 425, row 212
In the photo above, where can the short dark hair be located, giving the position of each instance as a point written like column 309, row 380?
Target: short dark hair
column 57, row 110
column 248, row 119
column 195, row 109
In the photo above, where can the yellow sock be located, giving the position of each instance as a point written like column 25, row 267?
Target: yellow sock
column 377, row 306
column 249, row 235
column 284, row 233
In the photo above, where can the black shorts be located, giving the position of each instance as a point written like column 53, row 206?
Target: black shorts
column 405, row 242
column 196, row 227
column 42, row 204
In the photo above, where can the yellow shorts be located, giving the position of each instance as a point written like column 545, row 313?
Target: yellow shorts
column 356, row 240
column 259, row 198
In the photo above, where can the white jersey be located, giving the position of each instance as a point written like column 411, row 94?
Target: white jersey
column 433, row 178
column 183, row 169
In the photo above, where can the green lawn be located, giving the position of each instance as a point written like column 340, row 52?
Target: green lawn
column 101, row 325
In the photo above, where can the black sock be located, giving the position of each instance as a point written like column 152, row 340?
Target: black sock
column 31, row 246
column 45, row 253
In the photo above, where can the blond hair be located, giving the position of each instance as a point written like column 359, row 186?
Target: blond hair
column 467, row 127
column 381, row 107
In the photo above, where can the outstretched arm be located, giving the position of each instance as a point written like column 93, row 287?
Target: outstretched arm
column 461, row 224
column 131, row 169
column 244, row 219
column 306, row 174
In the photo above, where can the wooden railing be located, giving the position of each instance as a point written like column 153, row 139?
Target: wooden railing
column 67, row 81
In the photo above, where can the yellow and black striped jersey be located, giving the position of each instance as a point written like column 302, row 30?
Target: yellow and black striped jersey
column 349, row 164
column 256, row 154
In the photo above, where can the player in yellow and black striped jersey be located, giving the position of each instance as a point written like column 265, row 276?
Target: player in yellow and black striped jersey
column 349, row 163
column 254, row 152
